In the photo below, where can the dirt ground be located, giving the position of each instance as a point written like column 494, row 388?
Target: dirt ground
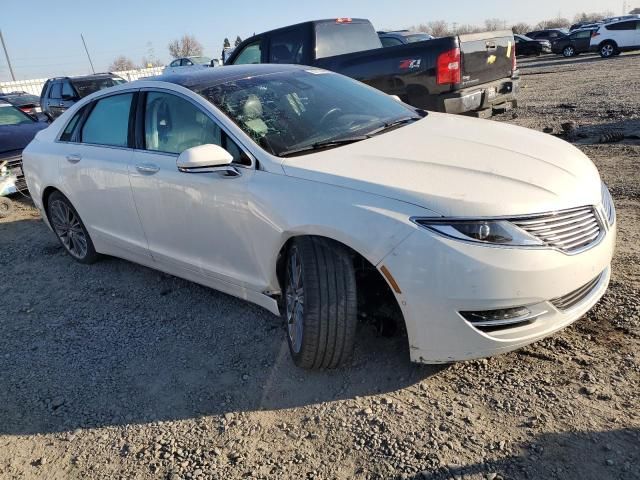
column 117, row 371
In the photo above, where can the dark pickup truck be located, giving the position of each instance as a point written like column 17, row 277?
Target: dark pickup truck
column 473, row 74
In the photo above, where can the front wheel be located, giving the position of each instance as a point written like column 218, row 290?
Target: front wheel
column 320, row 303
column 6, row 207
column 568, row 51
column 70, row 230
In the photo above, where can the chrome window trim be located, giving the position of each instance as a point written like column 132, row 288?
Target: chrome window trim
column 597, row 214
column 212, row 116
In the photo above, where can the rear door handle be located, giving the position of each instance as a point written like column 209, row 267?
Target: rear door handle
column 148, row 168
column 74, row 158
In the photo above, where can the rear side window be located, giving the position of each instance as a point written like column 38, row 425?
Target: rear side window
column 287, row 47
column 108, row 122
column 67, row 133
column 622, row 26
column 250, row 54
column 56, row 90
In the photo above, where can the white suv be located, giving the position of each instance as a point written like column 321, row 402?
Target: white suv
column 616, row 37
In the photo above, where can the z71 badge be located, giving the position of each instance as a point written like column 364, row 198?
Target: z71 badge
column 410, row 64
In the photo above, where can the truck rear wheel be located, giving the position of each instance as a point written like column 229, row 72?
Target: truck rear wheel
column 6, row 207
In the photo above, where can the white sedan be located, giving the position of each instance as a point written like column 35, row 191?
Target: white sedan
column 311, row 194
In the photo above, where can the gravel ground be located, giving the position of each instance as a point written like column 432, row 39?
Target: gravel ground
column 117, row 371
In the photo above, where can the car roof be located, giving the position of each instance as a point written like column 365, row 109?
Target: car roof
column 195, row 80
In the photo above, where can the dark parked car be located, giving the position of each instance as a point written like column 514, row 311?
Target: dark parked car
column 473, row 74
column 402, row 37
column 17, row 129
column 529, row 46
column 24, row 101
column 552, row 34
column 573, row 44
column 60, row 93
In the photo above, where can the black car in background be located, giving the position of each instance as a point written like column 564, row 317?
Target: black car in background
column 17, row 129
column 573, row 44
column 552, row 34
column 24, row 101
column 529, row 46
column 402, row 37
column 60, row 93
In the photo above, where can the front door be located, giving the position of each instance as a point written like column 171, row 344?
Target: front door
column 195, row 222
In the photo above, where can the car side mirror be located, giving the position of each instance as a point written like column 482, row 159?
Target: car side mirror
column 205, row 159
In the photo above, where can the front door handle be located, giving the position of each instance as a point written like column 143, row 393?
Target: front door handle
column 74, row 158
column 148, row 168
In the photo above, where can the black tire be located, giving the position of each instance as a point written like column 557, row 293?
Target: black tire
column 608, row 49
column 568, row 51
column 73, row 236
column 6, row 207
column 328, row 313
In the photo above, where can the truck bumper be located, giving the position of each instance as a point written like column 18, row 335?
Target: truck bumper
column 481, row 97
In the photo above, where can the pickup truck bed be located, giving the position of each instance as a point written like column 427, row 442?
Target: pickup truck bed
column 472, row 74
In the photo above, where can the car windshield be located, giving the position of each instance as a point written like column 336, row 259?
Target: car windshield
column 418, row 37
column 10, row 115
column 87, row 86
column 296, row 110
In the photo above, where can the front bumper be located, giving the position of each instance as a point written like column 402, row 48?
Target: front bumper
column 440, row 277
column 481, row 97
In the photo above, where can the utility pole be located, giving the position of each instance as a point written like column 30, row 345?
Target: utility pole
column 88, row 56
column 6, row 54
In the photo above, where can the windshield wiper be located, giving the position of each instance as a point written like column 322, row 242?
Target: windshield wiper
column 336, row 142
column 391, row 125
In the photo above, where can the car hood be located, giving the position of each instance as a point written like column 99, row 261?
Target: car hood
column 16, row 137
column 460, row 166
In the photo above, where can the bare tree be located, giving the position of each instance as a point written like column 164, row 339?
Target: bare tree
column 553, row 23
column 148, row 62
column 465, row 28
column 591, row 17
column 227, row 43
column 437, row 28
column 185, row 47
column 122, row 63
column 238, row 41
column 521, row 28
column 493, row 24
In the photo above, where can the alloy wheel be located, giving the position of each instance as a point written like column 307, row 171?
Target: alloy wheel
column 67, row 226
column 569, row 51
column 607, row 50
column 295, row 301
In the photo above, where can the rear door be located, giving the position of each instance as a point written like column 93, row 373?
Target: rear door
column 581, row 40
column 486, row 57
column 623, row 33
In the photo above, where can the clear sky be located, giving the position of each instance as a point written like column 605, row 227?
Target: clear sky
column 43, row 36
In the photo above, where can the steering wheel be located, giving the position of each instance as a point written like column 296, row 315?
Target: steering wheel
column 331, row 112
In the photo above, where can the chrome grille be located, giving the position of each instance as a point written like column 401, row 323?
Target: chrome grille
column 14, row 162
column 573, row 298
column 569, row 230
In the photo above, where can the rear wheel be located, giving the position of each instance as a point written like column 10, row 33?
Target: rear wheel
column 320, row 303
column 70, row 230
column 608, row 49
column 569, row 51
column 6, row 207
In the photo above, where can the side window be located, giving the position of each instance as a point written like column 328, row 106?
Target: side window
column 108, row 122
column 67, row 91
column 287, row 47
column 56, row 91
column 622, row 26
column 186, row 62
column 173, row 124
column 393, row 42
column 251, row 54
column 175, row 63
column 67, row 133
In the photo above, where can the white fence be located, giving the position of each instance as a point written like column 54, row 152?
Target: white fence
column 35, row 85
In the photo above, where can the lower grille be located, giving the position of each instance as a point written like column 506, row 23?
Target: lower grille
column 570, row 230
column 573, row 298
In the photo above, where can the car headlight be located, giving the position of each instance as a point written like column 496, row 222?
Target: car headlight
column 607, row 204
column 494, row 232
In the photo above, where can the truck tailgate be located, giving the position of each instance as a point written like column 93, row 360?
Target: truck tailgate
column 486, row 57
